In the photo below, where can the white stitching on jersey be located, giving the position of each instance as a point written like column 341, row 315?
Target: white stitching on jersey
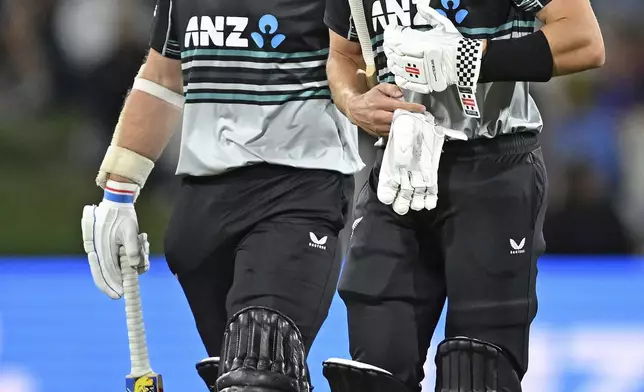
column 167, row 33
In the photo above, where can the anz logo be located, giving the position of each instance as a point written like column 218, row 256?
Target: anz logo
column 394, row 12
column 268, row 25
column 399, row 12
column 227, row 31
column 451, row 10
column 203, row 32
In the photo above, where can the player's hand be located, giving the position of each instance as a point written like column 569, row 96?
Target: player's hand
column 107, row 227
column 409, row 173
column 428, row 61
column 373, row 111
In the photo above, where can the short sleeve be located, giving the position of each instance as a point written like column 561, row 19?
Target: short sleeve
column 163, row 38
column 531, row 5
column 337, row 17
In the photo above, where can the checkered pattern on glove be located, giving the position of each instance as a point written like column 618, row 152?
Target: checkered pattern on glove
column 468, row 62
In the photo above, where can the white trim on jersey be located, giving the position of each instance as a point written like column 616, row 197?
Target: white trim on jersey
column 251, row 64
column 253, row 87
column 167, row 33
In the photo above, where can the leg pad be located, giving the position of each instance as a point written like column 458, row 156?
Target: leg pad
column 263, row 351
column 468, row 365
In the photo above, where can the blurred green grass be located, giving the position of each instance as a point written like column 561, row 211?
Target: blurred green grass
column 43, row 191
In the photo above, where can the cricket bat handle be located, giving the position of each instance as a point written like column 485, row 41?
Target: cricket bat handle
column 414, row 97
column 370, row 75
column 139, row 358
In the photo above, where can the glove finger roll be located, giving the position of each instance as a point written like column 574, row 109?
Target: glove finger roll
column 403, row 199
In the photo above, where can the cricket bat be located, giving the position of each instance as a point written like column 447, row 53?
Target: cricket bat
column 362, row 29
column 141, row 377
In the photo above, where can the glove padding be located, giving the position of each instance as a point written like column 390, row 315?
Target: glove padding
column 105, row 228
column 429, row 61
column 409, row 172
column 399, row 160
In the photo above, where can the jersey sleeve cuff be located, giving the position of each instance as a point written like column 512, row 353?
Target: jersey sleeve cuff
column 171, row 49
column 532, row 5
column 343, row 29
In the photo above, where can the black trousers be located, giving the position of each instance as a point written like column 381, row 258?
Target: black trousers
column 262, row 235
column 478, row 249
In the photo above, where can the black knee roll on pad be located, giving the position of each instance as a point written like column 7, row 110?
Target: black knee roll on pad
column 208, row 369
column 263, row 351
column 352, row 376
column 469, row 365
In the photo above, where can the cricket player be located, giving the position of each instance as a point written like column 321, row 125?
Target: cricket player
column 266, row 161
column 469, row 229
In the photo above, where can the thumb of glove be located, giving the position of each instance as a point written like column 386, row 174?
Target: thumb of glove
column 130, row 241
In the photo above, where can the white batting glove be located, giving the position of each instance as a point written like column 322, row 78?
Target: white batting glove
column 107, row 227
column 409, row 173
column 394, row 181
column 429, row 61
column 431, row 143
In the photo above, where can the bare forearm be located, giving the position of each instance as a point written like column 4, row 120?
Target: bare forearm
column 150, row 116
column 574, row 46
column 573, row 35
column 346, row 80
column 147, row 122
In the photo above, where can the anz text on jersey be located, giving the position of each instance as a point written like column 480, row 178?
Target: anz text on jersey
column 228, row 31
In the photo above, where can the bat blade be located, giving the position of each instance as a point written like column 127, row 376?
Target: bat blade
column 148, row 383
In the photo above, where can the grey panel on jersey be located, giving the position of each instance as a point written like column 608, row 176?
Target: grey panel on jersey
column 255, row 85
column 306, row 134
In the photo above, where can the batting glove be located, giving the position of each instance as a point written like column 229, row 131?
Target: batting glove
column 431, row 143
column 400, row 157
column 107, row 227
column 409, row 173
column 429, row 61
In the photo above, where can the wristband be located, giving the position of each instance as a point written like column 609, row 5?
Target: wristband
column 125, row 163
column 525, row 59
column 120, row 192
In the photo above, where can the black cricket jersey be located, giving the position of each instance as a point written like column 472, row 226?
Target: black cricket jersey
column 506, row 107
